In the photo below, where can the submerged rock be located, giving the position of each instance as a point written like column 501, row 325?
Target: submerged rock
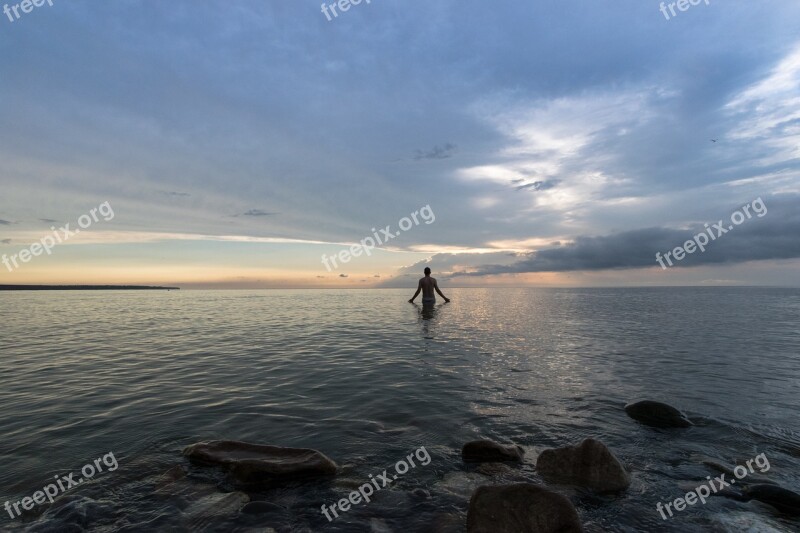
column 486, row 451
column 751, row 478
column 446, row 523
column 378, row 525
column 657, row 414
column 201, row 513
column 255, row 463
column 422, row 494
column 748, row 522
column 261, row 507
column 461, row 484
column 521, row 508
column 590, row 464
column 784, row 500
column 172, row 475
column 494, row 469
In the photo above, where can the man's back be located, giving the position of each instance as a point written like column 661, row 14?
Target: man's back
column 428, row 284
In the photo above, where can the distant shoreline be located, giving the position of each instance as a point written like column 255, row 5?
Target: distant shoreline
column 85, row 288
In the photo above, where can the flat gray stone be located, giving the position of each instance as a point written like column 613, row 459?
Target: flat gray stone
column 256, row 463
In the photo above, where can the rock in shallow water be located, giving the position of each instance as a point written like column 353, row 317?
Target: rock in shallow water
column 590, row 464
column 262, row 507
column 485, row 451
column 202, row 513
column 521, row 508
column 746, row 522
column 657, row 414
column 781, row 499
column 461, row 484
column 256, row 463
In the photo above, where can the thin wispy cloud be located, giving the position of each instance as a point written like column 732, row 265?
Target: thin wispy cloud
column 255, row 213
column 536, row 185
column 437, row 152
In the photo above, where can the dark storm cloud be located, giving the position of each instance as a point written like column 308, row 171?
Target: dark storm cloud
column 776, row 235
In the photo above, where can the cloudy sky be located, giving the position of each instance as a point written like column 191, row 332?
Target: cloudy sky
column 556, row 142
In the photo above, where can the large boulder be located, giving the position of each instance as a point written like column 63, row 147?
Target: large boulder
column 256, row 463
column 590, row 464
column 784, row 500
column 657, row 414
column 521, row 508
column 486, row 451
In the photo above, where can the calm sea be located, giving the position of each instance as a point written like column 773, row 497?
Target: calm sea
column 367, row 378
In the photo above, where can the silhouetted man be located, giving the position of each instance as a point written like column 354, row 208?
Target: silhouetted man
column 427, row 285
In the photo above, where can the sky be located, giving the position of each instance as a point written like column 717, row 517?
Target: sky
column 239, row 144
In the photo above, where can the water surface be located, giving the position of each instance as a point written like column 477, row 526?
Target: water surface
column 367, row 379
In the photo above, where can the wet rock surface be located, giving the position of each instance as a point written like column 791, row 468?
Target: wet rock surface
column 590, row 464
column 521, row 508
column 256, row 463
column 485, row 451
column 784, row 500
column 657, row 414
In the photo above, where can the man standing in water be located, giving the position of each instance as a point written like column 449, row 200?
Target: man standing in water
column 427, row 285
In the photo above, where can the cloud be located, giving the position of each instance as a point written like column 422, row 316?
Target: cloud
column 599, row 139
column 537, row 185
column 255, row 213
column 772, row 237
column 5, row 241
column 343, row 275
column 5, row 222
column 48, row 221
column 437, row 152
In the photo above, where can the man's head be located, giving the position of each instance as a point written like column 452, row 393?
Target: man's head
column 427, row 271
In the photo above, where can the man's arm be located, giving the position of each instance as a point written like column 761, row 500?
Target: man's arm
column 436, row 288
column 419, row 288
